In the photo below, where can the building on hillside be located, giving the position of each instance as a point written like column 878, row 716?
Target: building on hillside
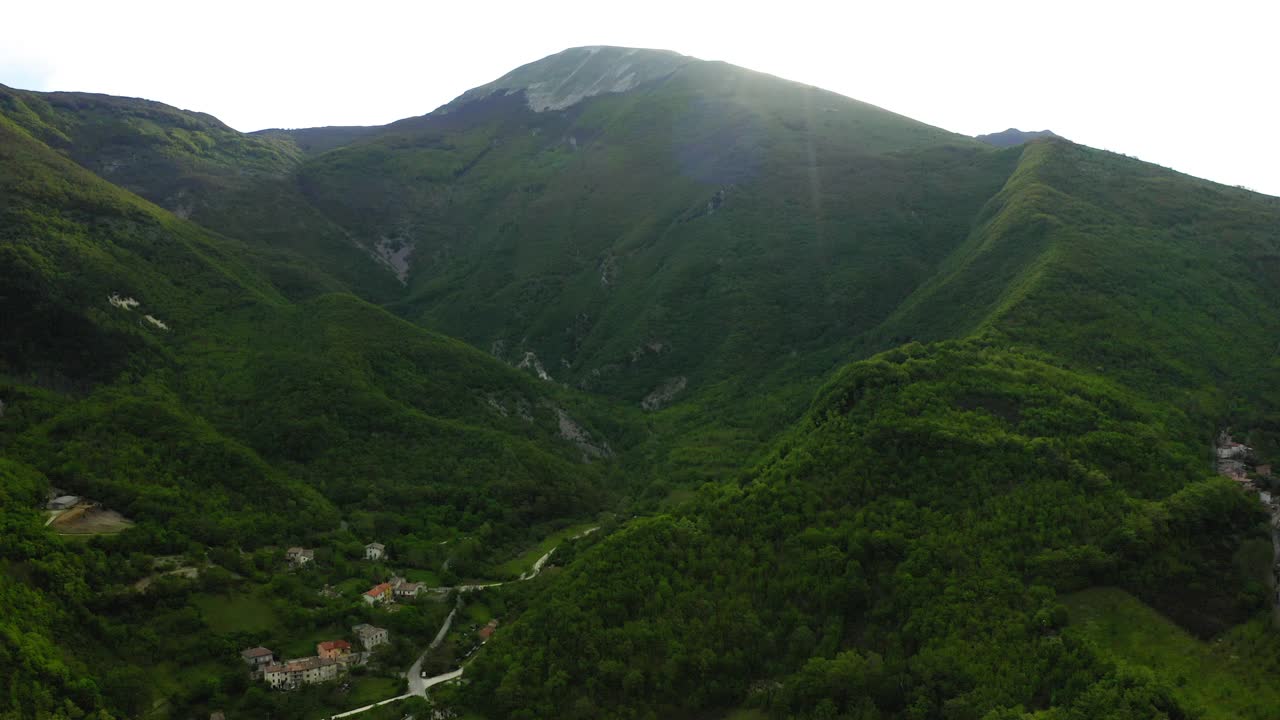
column 257, row 657
column 1229, row 449
column 379, row 593
column 64, row 502
column 406, row 590
column 375, row 551
column 333, row 649
column 369, row 636
column 217, row 715
column 303, row 671
column 486, row 632
column 298, row 556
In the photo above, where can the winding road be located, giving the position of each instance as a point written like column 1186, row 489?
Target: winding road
column 417, row 684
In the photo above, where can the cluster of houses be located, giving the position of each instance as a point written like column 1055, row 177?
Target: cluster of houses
column 1234, row 460
column 300, row 556
column 332, row 659
column 397, row 588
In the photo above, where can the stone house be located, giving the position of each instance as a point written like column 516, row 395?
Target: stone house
column 257, row 658
column 370, row 636
column 298, row 556
column 304, row 671
column 408, row 590
column 375, row 551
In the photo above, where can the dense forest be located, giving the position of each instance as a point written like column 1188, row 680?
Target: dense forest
column 719, row 396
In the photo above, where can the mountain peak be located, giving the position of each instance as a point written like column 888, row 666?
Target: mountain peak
column 1014, row 136
column 561, row 80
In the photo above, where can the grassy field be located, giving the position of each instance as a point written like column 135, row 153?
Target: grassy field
column 169, row 679
column 422, row 576
column 1231, row 678
column 305, row 644
column 236, row 613
column 524, row 562
column 366, row 690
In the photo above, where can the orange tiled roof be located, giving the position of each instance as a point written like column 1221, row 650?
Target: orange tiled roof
column 379, row 589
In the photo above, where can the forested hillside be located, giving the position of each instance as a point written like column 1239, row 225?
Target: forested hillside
column 154, row 367
column 900, row 555
column 711, row 393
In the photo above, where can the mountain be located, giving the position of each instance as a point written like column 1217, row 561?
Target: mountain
column 1014, row 136
column 567, row 78
column 153, row 366
column 824, row 412
column 194, row 166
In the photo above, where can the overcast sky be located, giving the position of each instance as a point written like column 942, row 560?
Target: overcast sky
column 1194, row 86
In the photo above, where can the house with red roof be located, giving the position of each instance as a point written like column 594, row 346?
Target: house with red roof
column 333, row 649
column 382, row 592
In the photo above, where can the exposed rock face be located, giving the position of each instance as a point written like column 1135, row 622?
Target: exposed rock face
column 664, row 393
column 531, row 362
column 573, row 432
column 395, row 254
column 566, row 78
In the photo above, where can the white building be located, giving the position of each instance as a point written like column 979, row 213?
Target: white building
column 374, row 551
column 299, row 555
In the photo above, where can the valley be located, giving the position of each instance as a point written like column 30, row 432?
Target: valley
column 628, row 385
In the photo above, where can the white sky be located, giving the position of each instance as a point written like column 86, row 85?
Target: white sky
column 1194, row 86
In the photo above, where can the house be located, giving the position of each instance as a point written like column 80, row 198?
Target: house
column 64, row 502
column 303, row 671
column 298, row 556
column 256, row 657
column 217, row 715
column 381, row 592
column 486, row 632
column 374, row 551
column 408, row 589
column 369, row 636
column 333, row 649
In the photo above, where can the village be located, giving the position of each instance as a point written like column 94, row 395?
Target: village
column 1239, row 463
column 335, row 657
column 336, row 617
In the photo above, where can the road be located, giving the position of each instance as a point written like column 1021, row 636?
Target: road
column 417, row 684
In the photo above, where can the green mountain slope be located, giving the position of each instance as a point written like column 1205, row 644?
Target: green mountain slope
column 872, row 397
column 1157, row 279
column 198, row 168
column 154, row 306
column 898, row 556
column 154, row 367
column 706, row 223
